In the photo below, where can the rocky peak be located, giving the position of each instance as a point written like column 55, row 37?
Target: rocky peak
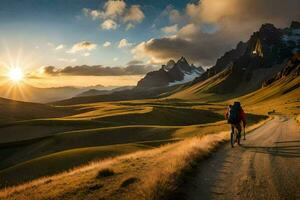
column 182, row 60
column 267, row 27
column 200, row 69
column 295, row 25
column 170, row 74
column 291, row 69
column 170, row 64
column 182, row 64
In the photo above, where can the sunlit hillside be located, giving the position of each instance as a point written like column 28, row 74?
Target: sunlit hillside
column 149, row 100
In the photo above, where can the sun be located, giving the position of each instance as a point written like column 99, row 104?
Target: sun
column 15, row 74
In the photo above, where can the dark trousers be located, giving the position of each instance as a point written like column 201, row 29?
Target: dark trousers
column 238, row 127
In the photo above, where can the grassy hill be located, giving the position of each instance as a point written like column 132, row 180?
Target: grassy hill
column 16, row 110
column 43, row 140
column 101, row 130
column 135, row 125
column 151, row 174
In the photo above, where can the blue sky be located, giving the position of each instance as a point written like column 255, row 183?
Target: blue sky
column 145, row 34
column 37, row 27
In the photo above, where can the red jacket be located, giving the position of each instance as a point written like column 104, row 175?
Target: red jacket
column 242, row 116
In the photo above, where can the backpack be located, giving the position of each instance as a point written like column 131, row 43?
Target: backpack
column 234, row 113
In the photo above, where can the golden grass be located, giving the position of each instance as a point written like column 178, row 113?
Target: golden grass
column 150, row 174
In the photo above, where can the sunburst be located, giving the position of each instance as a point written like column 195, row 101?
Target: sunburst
column 15, row 74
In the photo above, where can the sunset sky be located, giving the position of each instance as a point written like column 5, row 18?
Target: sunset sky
column 119, row 41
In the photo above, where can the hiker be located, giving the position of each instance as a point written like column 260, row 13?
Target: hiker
column 235, row 115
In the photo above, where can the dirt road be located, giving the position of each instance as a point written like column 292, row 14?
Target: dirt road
column 266, row 166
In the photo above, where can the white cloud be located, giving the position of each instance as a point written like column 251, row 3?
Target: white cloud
column 116, row 59
column 124, row 43
column 111, row 10
column 109, row 24
column 170, row 29
column 82, row 46
column 106, row 44
column 129, row 26
column 71, row 60
column 134, row 14
column 189, row 31
column 115, row 12
column 114, row 8
column 175, row 16
column 61, row 46
column 86, row 54
column 94, row 14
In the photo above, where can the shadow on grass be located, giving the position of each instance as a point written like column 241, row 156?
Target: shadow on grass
column 166, row 116
column 291, row 150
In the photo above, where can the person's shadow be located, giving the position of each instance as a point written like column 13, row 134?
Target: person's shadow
column 282, row 148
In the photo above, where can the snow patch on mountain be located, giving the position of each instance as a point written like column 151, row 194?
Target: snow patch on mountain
column 187, row 78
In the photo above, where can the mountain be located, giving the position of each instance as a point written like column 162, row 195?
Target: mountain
column 95, row 92
column 281, row 91
column 123, row 95
column 291, row 69
column 29, row 93
column 172, row 73
column 247, row 67
column 238, row 72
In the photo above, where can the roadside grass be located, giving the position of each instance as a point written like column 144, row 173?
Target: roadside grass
column 139, row 172
column 150, row 174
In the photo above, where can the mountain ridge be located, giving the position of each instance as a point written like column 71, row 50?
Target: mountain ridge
column 170, row 74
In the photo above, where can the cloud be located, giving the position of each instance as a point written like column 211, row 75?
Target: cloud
column 124, row 43
column 213, row 27
column 109, row 24
column 170, row 29
column 115, row 12
column 99, row 70
column 61, row 46
column 106, row 44
column 170, row 14
column 129, row 26
column 111, row 10
column 94, row 14
column 86, row 54
column 49, row 70
column 174, row 16
column 114, row 8
column 115, row 59
column 71, row 60
column 82, row 46
column 135, row 62
column 134, row 14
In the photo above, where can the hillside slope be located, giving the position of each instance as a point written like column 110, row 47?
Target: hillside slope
column 266, row 53
column 12, row 111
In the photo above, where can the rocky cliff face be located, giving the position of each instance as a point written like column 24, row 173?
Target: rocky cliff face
column 291, row 68
column 265, row 49
column 171, row 74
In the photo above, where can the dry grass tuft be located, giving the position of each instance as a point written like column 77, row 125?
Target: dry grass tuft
column 162, row 182
column 129, row 181
column 105, row 173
